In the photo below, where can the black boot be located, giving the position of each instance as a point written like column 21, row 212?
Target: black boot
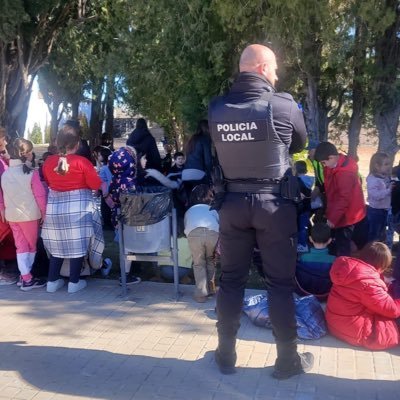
column 289, row 362
column 225, row 355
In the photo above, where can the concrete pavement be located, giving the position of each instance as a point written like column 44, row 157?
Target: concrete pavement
column 95, row 345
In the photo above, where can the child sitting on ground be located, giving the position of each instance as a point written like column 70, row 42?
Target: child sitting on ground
column 312, row 270
column 360, row 310
column 201, row 229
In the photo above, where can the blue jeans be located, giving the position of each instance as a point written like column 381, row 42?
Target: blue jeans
column 377, row 219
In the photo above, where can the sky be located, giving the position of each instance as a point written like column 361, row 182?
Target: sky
column 37, row 111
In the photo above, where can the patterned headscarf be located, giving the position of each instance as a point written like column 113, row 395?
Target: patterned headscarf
column 122, row 164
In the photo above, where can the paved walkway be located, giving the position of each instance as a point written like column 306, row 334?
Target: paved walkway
column 95, row 345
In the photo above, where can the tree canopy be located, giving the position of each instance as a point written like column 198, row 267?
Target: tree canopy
column 339, row 58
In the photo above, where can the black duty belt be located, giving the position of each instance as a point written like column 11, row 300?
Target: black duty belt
column 253, row 187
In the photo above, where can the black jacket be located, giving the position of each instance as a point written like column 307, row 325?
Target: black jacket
column 200, row 158
column 254, row 129
column 288, row 119
column 145, row 144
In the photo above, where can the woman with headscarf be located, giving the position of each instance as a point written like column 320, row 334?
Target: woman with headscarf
column 123, row 165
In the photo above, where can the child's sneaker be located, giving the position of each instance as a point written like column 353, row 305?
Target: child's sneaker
column 131, row 280
column 76, row 287
column 19, row 283
column 6, row 279
column 34, row 283
column 55, row 285
column 106, row 267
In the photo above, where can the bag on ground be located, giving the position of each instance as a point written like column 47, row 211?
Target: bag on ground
column 310, row 316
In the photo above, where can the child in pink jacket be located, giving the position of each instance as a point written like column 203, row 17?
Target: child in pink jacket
column 24, row 208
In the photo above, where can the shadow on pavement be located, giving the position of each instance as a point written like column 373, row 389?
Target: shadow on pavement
column 107, row 375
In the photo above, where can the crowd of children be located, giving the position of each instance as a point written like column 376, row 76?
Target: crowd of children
column 350, row 264
column 342, row 257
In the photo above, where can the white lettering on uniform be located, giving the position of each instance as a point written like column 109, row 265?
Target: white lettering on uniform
column 241, row 126
column 237, row 137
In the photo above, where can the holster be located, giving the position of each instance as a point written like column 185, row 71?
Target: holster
column 290, row 188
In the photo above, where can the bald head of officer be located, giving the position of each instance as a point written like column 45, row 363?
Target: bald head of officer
column 261, row 60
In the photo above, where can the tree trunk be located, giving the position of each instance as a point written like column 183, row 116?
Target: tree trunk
column 110, row 106
column 20, row 59
column 18, row 93
column 387, row 123
column 75, row 109
column 387, row 108
column 358, row 97
column 311, row 111
column 96, row 119
column 323, row 123
column 55, row 119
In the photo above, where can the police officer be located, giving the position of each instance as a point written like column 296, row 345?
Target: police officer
column 254, row 130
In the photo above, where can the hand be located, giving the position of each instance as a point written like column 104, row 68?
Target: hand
column 330, row 224
column 143, row 161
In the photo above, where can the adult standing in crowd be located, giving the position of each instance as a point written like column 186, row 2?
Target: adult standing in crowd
column 198, row 163
column 254, row 129
column 84, row 148
column 144, row 143
column 69, row 225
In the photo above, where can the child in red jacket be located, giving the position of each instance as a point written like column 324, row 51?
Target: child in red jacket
column 345, row 200
column 360, row 310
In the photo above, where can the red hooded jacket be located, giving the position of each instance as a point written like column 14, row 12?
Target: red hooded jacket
column 344, row 196
column 359, row 310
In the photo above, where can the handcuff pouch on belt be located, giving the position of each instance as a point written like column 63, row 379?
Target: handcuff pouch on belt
column 290, row 188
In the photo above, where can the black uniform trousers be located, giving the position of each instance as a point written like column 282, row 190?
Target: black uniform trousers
column 269, row 221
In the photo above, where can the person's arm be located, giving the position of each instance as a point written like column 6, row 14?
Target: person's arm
column 377, row 189
column 39, row 193
column 2, row 206
column 288, row 122
column 378, row 301
column 299, row 135
column 338, row 207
